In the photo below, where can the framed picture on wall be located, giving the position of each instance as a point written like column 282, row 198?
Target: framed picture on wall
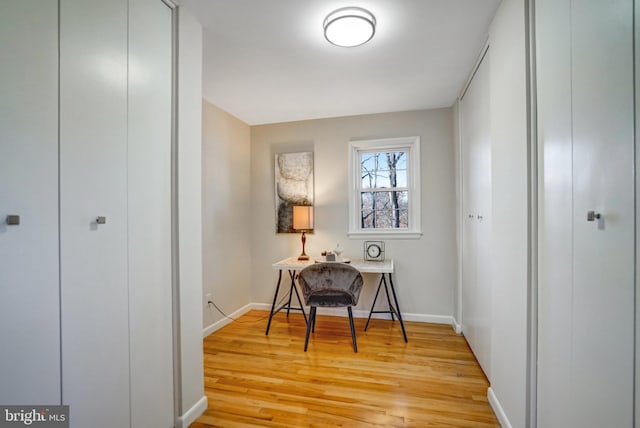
column 293, row 186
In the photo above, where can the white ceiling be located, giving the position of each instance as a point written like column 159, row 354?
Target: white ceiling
column 266, row 61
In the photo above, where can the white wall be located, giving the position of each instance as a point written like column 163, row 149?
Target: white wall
column 192, row 401
column 426, row 268
column 226, row 213
column 510, row 199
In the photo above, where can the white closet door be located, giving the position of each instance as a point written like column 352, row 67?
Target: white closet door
column 93, row 183
column 586, row 292
column 603, row 158
column 29, row 279
column 555, row 239
column 149, row 204
column 476, row 264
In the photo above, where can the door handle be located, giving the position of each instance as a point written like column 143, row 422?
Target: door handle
column 13, row 220
column 101, row 220
column 592, row 216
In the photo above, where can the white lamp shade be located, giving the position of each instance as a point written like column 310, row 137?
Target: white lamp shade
column 302, row 217
column 349, row 26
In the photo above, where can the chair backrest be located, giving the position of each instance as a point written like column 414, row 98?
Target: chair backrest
column 330, row 284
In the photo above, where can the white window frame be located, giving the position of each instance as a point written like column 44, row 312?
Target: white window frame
column 411, row 145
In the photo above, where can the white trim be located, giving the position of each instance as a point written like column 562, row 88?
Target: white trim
column 497, row 409
column 636, row 148
column 532, row 221
column 412, row 146
column 476, row 66
column 456, row 325
column 175, row 210
column 460, row 214
column 364, row 313
column 193, row 413
column 211, row 328
column 386, row 234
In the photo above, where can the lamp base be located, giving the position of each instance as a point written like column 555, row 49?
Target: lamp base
column 303, row 256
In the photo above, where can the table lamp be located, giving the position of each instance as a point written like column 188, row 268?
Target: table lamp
column 303, row 220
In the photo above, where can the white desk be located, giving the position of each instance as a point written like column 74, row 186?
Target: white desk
column 293, row 265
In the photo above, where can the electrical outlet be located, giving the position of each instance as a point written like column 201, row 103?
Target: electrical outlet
column 207, row 299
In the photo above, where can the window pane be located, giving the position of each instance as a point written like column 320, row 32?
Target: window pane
column 401, row 162
column 384, row 179
column 368, row 161
column 383, row 187
column 403, row 200
column 401, row 178
column 381, row 200
column 385, row 219
column 383, row 170
column 366, row 201
column 384, row 210
column 377, row 179
column 367, row 219
column 404, row 218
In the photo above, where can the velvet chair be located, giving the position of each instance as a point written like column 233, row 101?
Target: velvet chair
column 330, row 285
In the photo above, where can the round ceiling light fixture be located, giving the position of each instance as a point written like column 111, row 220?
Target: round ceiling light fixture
column 349, row 26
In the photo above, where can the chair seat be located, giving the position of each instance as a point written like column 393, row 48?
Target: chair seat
column 330, row 298
column 330, row 285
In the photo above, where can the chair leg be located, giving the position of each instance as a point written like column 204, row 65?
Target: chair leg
column 312, row 320
column 353, row 330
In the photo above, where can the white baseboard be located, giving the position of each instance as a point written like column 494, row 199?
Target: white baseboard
column 193, row 413
column 456, row 326
column 364, row 313
column 224, row 321
column 497, row 409
column 340, row 312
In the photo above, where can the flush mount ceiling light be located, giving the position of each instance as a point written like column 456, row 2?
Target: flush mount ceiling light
column 349, row 26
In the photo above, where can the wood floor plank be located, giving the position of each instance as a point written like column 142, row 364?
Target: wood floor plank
column 256, row 380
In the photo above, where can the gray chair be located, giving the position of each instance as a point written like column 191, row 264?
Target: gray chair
column 330, row 285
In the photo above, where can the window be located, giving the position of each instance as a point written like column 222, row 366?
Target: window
column 384, row 191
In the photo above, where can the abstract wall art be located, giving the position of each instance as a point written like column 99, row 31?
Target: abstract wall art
column 293, row 185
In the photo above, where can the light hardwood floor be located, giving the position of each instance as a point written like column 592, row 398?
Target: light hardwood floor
column 257, row 380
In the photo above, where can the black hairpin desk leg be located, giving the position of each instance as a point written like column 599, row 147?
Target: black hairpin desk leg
column 395, row 299
column 393, row 309
column 287, row 305
column 273, row 305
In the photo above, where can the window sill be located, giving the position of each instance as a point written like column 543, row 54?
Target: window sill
column 385, row 234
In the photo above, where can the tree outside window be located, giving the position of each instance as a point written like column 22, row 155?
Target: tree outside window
column 384, row 199
column 384, row 190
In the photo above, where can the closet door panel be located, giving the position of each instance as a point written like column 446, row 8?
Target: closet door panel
column 29, row 276
column 93, row 183
column 149, row 203
column 555, row 244
column 476, row 263
column 603, row 153
column 482, row 189
column 586, row 286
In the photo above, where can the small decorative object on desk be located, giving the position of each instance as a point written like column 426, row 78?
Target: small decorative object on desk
column 374, row 251
column 338, row 250
column 332, row 257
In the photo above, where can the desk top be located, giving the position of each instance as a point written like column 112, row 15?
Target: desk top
column 292, row 263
